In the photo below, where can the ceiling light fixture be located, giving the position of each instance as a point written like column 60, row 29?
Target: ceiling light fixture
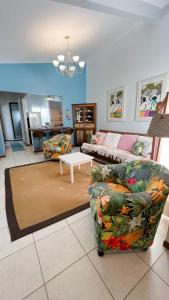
column 67, row 64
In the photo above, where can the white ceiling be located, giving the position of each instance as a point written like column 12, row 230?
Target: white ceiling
column 34, row 30
column 159, row 3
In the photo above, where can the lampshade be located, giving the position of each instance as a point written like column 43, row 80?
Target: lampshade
column 61, row 58
column 159, row 125
column 75, row 58
column 55, row 63
column 81, row 64
column 62, row 67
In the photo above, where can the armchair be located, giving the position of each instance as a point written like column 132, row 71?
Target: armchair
column 58, row 145
column 127, row 201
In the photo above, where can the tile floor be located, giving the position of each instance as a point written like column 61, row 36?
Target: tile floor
column 60, row 262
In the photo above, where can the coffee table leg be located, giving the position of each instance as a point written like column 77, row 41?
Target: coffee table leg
column 61, row 167
column 91, row 163
column 71, row 174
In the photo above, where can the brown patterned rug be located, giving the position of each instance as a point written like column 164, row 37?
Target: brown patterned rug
column 37, row 195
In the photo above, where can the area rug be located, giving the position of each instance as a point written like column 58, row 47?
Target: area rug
column 38, row 196
column 16, row 146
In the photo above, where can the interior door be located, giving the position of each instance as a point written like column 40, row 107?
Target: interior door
column 16, row 120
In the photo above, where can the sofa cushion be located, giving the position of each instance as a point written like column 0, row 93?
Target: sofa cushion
column 127, row 142
column 138, row 148
column 100, row 137
column 93, row 139
column 111, row 140
column 147, row 145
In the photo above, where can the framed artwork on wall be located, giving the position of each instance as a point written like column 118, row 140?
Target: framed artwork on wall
column 116, row 104
column 149, row 92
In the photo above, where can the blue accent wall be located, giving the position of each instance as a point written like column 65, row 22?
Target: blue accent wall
column 43, row 79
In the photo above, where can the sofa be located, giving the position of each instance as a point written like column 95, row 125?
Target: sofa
column 127, row 201
column 58, row 145
column 118, row 147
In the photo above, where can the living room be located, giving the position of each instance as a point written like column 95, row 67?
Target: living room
column 83, row 190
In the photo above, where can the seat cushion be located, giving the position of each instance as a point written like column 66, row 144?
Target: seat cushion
column 96, row 188
column 127, row 142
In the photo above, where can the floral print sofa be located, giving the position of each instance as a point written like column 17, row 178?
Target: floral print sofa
column 58, row 145
column 127, row 201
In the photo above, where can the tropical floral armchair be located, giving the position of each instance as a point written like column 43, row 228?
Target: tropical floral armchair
column 127, row 201
column 58, row 145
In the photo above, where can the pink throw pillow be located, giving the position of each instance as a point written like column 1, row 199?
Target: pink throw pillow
column 127, row 142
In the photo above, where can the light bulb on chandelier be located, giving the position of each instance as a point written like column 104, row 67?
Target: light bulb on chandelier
column 67, row 64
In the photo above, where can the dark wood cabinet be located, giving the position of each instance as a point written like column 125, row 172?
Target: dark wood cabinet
column 84, row 122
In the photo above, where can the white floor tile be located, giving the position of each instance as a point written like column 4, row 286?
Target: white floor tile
column 80, row 281
column 154, row 252
column 151, row 287
column 3, row 219
column 20, row 274
column 58, row 251
column 120, row 272
column 7, row 247
column 38, row 235
column 78, row 216
column 58, row 248
column 163, row 225
column 2, row 199
column 84, row 229
column 40, row 294
column 161, row 267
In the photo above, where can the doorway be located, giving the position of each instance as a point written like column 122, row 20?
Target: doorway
column 16, row 120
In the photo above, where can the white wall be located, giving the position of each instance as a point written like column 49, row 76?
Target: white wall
column 141, row 54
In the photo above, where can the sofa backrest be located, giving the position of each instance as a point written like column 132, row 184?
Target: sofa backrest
column 128, row 133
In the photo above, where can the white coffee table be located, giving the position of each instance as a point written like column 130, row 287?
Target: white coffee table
column 74, row 159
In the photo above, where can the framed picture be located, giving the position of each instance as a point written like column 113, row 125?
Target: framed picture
column 149, row 93
column 116, row 104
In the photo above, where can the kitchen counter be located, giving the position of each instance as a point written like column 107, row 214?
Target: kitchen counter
column 48, row 128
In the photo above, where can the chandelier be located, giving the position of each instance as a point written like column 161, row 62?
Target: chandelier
column 66, row 64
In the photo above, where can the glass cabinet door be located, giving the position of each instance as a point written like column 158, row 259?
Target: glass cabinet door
column 79, row 115
column 89, row 114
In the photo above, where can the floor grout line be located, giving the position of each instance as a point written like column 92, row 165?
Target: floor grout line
column 92, row 263
column 136, row 284
column 36, row 241
column 153, row 262
column 160, row 277
column 41, row 270
column 77, row 260
column 101, row 277
column 33, row 292
column 16, row 251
